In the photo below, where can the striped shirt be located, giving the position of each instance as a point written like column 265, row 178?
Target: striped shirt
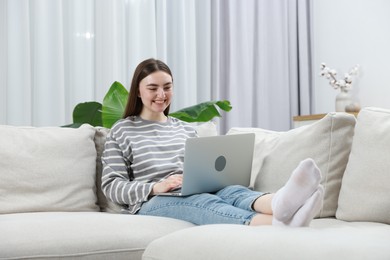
column 139, row 153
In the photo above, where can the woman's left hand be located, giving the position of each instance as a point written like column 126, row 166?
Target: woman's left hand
column 170, row 183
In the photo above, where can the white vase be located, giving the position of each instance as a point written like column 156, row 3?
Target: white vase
column 343, row 99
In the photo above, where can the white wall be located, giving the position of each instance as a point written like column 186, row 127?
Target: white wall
column 349, row 32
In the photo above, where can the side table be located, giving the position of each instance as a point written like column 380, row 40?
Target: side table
column 309, row 119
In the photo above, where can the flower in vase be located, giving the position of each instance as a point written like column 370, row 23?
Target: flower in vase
column 345, row 83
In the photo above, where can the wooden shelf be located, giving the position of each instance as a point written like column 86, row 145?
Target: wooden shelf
column 308, row 119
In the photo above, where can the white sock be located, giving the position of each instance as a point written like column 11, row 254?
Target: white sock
column 301, row 185
column 306, row 213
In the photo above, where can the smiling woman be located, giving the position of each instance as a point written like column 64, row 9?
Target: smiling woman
column 144, row 154
column 155, row 92
column 151, row 91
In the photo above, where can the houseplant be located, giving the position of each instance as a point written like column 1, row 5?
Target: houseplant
column 111, row 110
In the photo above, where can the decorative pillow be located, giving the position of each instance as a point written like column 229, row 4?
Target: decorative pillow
column 277, row 154
column 206, row 129
column 364, row 194
column 47, row 169
column 104, row 203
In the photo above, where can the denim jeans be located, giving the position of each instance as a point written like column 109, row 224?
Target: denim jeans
column 231, row 205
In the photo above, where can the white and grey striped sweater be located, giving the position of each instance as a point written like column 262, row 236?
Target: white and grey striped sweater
column 138, row 153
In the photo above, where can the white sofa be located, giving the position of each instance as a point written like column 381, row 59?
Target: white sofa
column 51, row 205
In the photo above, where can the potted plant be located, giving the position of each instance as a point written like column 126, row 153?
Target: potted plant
column 114, row 103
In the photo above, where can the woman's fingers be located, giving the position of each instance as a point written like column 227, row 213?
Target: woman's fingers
column 172, row 182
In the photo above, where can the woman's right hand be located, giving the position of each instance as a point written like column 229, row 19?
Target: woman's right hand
column 170, row 183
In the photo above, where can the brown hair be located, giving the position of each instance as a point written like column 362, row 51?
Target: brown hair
column 144, row 69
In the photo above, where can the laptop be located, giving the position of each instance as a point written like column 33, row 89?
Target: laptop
column 212, row 163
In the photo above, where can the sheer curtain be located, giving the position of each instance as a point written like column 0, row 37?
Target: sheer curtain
column 262, row 61
column 57, row 53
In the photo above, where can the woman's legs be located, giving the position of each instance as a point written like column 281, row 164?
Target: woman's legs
column 247, row 199
column 297, row 202
column 263, row 206
column 203, row 208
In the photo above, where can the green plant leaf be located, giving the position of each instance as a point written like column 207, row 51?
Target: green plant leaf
column 114, row 104
column 87, row 113
column 202, row 112
column 224, row 105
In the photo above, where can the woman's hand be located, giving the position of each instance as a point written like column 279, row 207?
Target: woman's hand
column 172, row 182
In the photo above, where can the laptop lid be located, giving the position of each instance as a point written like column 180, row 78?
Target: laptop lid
column 212, row 163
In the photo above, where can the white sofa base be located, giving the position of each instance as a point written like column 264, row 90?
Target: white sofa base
column 80, row 235
column 99, row 235
column 325, row 239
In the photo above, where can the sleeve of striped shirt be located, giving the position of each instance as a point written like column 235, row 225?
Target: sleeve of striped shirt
column 117, row 183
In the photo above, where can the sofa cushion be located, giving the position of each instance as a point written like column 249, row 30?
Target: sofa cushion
column 325, row 239
column 80, row 235
column 104, row 204
column 277, row 154
column 206, row 129
column 47, row 169
column 364, row 194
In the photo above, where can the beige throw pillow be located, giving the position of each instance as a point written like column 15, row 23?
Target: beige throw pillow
column 365, row 190
column 104, row 204
column 47, row 169
column 206, row 129
column 277, row 154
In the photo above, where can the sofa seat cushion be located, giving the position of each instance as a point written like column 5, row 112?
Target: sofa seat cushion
column 326, row 239
column 87, row 235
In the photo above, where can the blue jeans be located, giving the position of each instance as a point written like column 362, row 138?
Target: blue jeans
column 231, row 205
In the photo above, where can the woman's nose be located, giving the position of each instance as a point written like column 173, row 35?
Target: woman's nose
column 160, row 92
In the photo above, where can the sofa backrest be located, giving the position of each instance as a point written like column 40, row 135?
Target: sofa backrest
column 47, row 169
column 327, row 141
column 365, row 189
column 59, row 169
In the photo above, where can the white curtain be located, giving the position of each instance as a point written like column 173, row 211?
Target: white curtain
column 260, row 63
column 58, row 53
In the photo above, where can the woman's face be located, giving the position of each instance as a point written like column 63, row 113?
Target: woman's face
column 156, row 93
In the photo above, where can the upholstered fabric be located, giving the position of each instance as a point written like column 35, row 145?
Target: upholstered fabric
column 80, row 235
column 277, row 154
column 104, row 204
column 206, row 129
column 100, row 235
column 325, row 239
column 47, row 169
column 365, row 190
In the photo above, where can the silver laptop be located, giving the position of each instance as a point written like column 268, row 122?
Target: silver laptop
column 212, row 163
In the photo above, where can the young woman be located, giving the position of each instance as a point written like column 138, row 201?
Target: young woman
column 144, row 155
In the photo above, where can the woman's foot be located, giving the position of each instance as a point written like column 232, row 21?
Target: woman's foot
column 306, row 213
column 302, row 184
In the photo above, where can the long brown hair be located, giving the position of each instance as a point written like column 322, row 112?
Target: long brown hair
column 144, row 69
